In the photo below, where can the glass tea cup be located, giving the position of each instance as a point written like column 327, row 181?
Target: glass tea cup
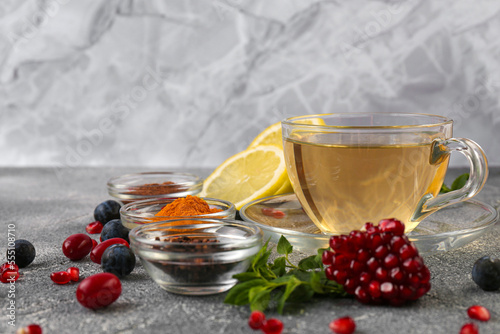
column 351, row 168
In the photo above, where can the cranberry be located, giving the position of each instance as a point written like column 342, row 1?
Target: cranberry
column 77, row 246
column 478, row 312
column 74, row 273
column 96, row 253
column 31, row 329
column 60, row 277
column 272, row 326
column 469, row 328
column 256, row 320
column 8, row 276
column 94, row 227
column 345, row 325
column 98, row 290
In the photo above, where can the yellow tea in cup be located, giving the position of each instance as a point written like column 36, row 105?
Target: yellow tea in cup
column 358, row 168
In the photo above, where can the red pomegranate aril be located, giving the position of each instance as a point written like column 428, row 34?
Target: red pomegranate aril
column 272, row 326
column 382, row 276
column 391, row 261
column 74, row 273
column 9, row 267
column 94, row 227
column 345, row 325
column 326, row 257
column 374, row 289
column 478, row 312
column 9, row 276
column 96, row 253
column 358, row 238
column 94, row 243
column 30, row 329
column 469, row 328
column 98, row 290
column 60, row 277
column 256, row 320
column 77, row 246
column 389, row 290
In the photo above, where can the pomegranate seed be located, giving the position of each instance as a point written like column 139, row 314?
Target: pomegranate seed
column 345, row 325
column 8, row 266
column 60, row 277
column 469, row 328
column 98, row 290
column 74, row 273
column 275, row 213
column 385, row 268
column 272, row 326
column 77, row 246
column 9, row 276
column 256, row 320
column 30, row 329
column 96, row 253
column 94, row 243
column 326, row 257
column 478, row 312
column 94, row 227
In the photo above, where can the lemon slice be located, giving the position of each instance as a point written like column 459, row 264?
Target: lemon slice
column 286, row 187
column 270, row 136
column 254, row 173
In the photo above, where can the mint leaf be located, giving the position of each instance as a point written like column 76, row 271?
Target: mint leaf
column 291, row 285
column 279, row 266
column 284, row 247
column 259, row 298
column 460, row 181
column 309, row 263
column 315, row 281
column 238, row 295
column 246, row 276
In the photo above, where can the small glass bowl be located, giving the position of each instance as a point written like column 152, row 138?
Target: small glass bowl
column 196, row 256
column 143, row 212
column 130, row 187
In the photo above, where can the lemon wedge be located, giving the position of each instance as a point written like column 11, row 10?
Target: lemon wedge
column 270, row 136
column 254, row 173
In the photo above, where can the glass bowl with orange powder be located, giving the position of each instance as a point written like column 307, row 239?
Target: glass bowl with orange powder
column 162, row 209
column 141, row 186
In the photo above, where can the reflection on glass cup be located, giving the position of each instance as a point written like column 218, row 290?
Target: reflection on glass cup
column 349, row 169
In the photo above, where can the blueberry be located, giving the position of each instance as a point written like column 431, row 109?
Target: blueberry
column 114, row 229
column 24, row 252
column 106, row 211
column 486, row 273
column 118, row 259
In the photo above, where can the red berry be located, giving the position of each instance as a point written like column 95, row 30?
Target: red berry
column 60, row 277
column 8, row 276
column 479, row 313
column 77, row 246
column 469, row 328
column 256, row 320
column 94, row 243
column 31, row 329
column 74, row 273
column 96, row 253
column 272, row 326
column 8, row 266
column 275, row 213
column 94, row 227
column 345, row 325
column 98, row 290
column 385, row 268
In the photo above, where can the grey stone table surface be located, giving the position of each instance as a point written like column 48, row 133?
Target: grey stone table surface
column 46, row 205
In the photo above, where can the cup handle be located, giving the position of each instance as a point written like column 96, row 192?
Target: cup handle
column 477, row 176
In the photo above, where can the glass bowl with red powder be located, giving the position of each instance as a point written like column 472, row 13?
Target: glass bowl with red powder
column 196, row 256
column 145, row 212
column 141, row 186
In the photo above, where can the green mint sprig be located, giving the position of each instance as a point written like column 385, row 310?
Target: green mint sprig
column 457, row 184
column 281, row 280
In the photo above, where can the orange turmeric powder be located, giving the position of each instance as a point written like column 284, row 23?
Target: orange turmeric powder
column 187, row 206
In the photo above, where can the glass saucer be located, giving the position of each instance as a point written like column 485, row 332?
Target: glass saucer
column 449, row 228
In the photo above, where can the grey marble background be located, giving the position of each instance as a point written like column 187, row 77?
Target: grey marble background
column 180, row 83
